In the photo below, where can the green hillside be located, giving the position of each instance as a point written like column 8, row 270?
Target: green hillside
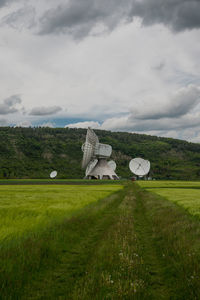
column 34, row 152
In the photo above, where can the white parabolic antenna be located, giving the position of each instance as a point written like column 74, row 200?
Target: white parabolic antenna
column 88, row 147
column 53, row 174
column 139, row 166
column 112, row 165
column 95, row 157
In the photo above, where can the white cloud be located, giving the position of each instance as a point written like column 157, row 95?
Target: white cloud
column 126, row 79
column 24, row 124
column 48, row 124
column 92, row 124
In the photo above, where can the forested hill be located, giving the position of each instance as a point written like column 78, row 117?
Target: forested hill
column 34, row 152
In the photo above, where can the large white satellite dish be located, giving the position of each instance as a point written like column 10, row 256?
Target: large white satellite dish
column 88, row 147
column 112, row 165
column 95, row 156
column 139, row 166
column 53, row 174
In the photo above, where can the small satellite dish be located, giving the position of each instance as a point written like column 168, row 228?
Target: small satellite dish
column 53, row 174
column 139, row 166
column 112, row 165
column 90, row 166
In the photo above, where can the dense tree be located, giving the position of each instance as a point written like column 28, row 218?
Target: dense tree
column 34, row 152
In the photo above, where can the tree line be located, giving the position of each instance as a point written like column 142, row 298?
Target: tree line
column 35, row 152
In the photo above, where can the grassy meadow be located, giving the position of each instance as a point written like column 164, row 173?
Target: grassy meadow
column 183, row 193
column 189, row 199
column 30, row 216
column 132, row 241
column 58, row 181
column 154, row 184
column 24, row 209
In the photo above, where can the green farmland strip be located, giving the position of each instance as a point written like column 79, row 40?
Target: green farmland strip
column 58, row 182
column 187, row 198
column 45, row 222
column 169, row 184
column 130, row 245
column 183, row 193
column 27, row 208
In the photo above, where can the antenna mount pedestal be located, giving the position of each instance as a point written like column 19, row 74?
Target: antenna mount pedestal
column 102, row 171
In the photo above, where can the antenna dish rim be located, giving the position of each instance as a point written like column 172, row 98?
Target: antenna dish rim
column 53, row 174
column 139, row 166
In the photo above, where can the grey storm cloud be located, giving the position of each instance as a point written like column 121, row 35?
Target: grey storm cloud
column 128, row 123
column 184, row 122
column 23, row 17
column 9, row 105
column 3, row 2
column 80, row 17
column 181, row 103
column 177, row 14
column 44, row 111
column 177, row 114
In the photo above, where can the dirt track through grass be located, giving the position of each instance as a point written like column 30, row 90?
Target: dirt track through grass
column 118, row 251
column 131, row 245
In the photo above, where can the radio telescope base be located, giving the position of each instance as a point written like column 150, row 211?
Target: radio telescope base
column 102, row 171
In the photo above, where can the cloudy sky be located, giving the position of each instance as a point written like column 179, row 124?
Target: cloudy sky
column 131, row 65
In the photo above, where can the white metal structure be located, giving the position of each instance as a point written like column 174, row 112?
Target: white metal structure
column 90, row 166
column 139, row 166
column 95, row 157
column 89, row 147
column 112, row 165
column 53, row 174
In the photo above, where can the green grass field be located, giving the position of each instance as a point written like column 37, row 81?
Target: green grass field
column 27, row 208
column 189, row 199
column 58, row 181
column 32, row 215
column 183, row 193
column 169, row 184
column 132, row 241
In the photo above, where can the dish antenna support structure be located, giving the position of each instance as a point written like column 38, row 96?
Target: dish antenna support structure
column 95, row 157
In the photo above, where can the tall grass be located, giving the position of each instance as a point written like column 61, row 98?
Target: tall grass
column 133, row 244
column 169, row 184
column 175, row 234
column 187, row 198
column 184, row 193
column 31, row 227
column 26, row 208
